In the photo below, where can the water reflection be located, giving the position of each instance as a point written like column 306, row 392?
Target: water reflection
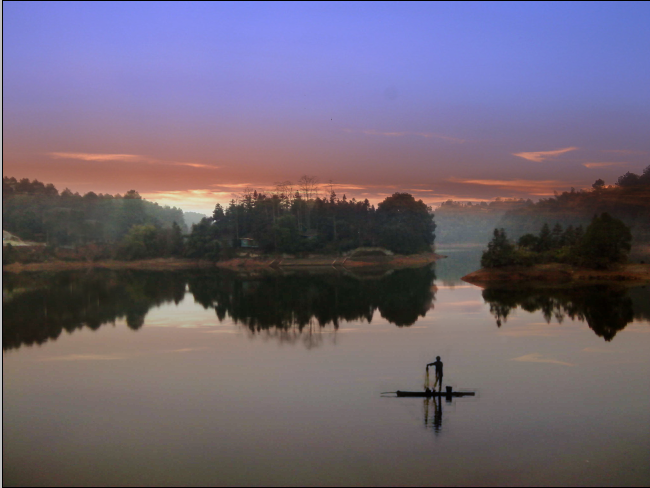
column 296, row 300
column 433, row 413
column 606, row 309
column 38, row 307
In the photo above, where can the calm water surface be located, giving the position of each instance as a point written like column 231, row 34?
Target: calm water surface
column 141, row 378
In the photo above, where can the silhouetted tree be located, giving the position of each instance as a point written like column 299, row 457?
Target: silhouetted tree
column 203, row 242
column 628, row 179
column 176, row 240
column 405, row 225
column 500, row 251
column 598, row 184
column 606, row 241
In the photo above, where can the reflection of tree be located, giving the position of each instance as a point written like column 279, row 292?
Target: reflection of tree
column 606, row 309
column 300, row 300
column 289, row 308
column 405, row 295
column 641, row 301
column 40, row 306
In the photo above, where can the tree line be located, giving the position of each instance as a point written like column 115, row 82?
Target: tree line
column 290, row 219
column 297, row 219
column 38, row 212
column 606, row 241
column 628, row 200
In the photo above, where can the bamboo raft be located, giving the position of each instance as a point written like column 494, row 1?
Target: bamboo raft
column 430, row 394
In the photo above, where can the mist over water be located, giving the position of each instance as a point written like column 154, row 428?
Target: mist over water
column 206, row 377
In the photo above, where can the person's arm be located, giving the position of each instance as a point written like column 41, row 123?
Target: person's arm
column 430, row 364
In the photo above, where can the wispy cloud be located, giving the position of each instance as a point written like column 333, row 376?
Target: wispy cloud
column 603, row 165
column 534, row 187
column 442, row 197
column 344, row 186
column 538, row 358
column 197, row 165
column 540, row 156
column 125, row 158
column 238, row 186
column 131, row 158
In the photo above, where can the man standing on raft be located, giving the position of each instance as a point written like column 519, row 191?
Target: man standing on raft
column 438, row 365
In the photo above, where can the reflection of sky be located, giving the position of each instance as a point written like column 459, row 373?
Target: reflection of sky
column 190, row 103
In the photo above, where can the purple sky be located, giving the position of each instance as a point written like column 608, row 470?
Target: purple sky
column 190, row 103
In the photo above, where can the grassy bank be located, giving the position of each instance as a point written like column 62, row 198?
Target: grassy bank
column 559, row 273
column 244, row 264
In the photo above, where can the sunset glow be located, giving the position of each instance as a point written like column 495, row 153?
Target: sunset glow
column 374, row 98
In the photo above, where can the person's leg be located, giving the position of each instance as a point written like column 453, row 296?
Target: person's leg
column 439, row 380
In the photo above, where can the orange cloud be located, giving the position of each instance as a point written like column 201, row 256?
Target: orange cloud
column 534, row 187
column 98, row 157
column 126, row 158
column 197, row 165
column 344, row 186
column 602, row 165
column 541, row 156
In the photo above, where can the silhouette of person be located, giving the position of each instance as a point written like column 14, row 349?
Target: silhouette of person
column 438, row 365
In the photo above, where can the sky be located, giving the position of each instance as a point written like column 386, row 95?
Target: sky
column 191, row 103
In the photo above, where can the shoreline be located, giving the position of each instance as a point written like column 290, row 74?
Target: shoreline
column 236, row 264
column 558, row 274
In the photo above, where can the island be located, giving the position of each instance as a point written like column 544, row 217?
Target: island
column 597, row 254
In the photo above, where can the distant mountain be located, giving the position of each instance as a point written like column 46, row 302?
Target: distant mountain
column 192, row 218
column 628, row 200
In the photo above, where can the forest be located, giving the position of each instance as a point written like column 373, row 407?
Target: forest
column 605, row 242
column 300, row 221
column 287, row 220
column 38, row 212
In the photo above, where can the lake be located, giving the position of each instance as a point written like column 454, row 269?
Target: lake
column 209, row 378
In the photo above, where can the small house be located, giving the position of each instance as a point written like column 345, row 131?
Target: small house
column 249, row 243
